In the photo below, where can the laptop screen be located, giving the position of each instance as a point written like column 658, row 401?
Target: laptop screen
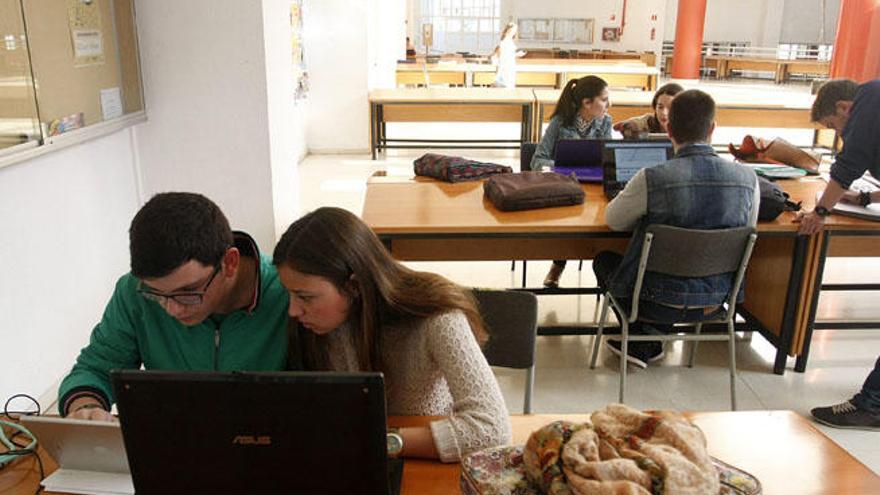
column 626, row 158
column 295, row 432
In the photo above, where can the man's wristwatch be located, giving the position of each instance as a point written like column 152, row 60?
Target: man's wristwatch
column 394, row 442
column 822, row 211
column 864, row 198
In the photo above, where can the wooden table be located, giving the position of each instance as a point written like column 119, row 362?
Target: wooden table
column 843, row 236
column 782, row 449
column 724, row 65
column 732, row 109
column 552, row 73
column 425, row 220
column 449, row 105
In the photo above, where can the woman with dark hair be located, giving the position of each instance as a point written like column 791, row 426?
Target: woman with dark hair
column 581, row 113
column 654, row 122
column 357, row 309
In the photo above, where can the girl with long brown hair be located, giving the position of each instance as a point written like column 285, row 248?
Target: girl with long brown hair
column 581, row 113
column 357, row 309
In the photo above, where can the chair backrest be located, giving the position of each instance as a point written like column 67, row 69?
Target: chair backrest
column 511, row 319
column 695, row 253
column 526, row 152
column 692, row 253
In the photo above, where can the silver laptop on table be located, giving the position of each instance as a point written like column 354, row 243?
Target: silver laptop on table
column 90, row 455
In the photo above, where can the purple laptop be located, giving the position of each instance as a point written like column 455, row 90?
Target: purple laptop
column 581, row 158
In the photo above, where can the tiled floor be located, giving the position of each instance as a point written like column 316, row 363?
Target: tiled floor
column 838, row 365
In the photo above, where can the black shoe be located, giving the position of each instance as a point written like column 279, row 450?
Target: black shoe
column 846, row 415
column 551, row 281
column 638, row 353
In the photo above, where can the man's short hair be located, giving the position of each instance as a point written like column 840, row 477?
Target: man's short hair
column 691, row 116
column 829, row 94
column 174, row 228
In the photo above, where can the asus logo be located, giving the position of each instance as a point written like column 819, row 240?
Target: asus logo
column 252, row 440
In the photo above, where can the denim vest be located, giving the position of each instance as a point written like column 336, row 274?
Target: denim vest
column 696, row 190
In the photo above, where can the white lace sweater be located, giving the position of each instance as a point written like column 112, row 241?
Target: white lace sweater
column 436, row 368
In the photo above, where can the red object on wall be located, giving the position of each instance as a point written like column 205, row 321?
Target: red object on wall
column 855, row 56
column 686, row 56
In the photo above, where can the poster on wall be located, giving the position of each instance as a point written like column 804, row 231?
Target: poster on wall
column 556, row 30
column 86, row 36
column 300, row 75
column 610, row 34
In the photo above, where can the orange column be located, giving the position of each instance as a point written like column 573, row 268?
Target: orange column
column 686, row 57
column 855, row 55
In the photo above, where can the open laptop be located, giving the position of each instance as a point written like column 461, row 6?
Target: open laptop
column 581, row 158
column 621, row 160
column 291, row 432
column 90, row 455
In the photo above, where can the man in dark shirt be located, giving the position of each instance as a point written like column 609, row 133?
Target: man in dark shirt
column 854, row 112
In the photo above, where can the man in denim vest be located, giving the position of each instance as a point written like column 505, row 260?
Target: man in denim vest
column 696, row 189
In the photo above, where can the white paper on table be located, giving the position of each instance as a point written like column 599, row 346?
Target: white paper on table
column 111, row 103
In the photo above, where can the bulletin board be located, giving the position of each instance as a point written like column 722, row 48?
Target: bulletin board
column 556, row 30
column 300, row 75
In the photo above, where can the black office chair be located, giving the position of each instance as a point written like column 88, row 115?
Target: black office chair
column 685, row 253
column 511, row 319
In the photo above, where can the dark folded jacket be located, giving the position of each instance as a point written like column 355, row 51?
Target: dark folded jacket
column 529, row 190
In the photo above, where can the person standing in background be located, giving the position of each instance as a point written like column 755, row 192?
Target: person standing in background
column 504, row 56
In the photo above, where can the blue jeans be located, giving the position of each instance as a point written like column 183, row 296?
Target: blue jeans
column 869, row 397
column 661, row 316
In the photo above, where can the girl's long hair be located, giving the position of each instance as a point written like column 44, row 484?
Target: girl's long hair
column 574, row 92
column 335, row 244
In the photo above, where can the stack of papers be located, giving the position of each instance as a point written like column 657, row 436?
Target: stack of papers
column 774, row 171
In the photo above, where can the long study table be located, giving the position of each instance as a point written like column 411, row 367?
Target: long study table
column 422, row 219
column 782, row 449
column 449, row 105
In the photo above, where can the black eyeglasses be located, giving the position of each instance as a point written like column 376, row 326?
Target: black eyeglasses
column 189, row 298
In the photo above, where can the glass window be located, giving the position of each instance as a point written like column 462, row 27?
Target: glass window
column 84, row 56
column 19, row 122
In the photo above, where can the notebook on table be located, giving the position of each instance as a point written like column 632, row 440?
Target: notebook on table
column 621, row 160
column 581, row 158
column 90, row 455
column 291, row 432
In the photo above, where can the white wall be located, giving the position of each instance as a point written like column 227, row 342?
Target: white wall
column 761, row 22
column 205, row 88
column 219, row 97
column 65, row 218
column 636, row 33
column 286, row 118
column 350, row 48
column 336, row 55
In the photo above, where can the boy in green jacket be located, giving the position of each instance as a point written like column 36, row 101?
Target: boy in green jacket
column 199, row 297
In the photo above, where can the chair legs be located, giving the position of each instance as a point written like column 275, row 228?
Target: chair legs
column 530, row 385
column 731, row 348
column 598, row 340
column 624, row 348
column 693, row 357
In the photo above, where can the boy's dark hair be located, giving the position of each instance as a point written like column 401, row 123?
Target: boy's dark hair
column 829, row 94
column 691, row 116
column 173, row 228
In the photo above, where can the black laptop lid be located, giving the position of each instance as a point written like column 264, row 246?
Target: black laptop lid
column 622, row 159
column 293, row 432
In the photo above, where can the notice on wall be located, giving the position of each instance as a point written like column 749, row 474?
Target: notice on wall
column 86, row 35
column 111, row 103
